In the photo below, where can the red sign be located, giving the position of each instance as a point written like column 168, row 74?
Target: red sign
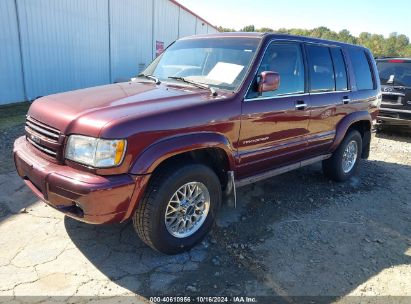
column 159, row 47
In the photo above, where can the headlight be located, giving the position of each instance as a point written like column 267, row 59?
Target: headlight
column 95, row 152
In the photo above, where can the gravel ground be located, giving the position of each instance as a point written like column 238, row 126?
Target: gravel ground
column 297, row 234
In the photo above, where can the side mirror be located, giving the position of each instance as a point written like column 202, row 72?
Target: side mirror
column 269, row 81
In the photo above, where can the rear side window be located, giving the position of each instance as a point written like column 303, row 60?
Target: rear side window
column 362, row 69
column 339, row 69
column 321, row 69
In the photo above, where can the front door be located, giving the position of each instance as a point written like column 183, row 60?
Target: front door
column 274, row 124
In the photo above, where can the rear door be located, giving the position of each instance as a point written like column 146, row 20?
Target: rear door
column 329, row 95
column 364, row 84
column 274, row 125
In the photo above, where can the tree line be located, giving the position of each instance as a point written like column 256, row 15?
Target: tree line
column 396, row 45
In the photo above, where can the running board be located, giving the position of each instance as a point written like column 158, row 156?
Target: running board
column 278, row 171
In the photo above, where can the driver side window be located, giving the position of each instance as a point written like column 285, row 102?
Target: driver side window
column 286, row 59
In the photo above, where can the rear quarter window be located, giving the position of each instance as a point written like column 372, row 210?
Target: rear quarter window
column 361, row 68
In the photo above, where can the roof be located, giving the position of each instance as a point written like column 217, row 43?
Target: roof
column 227, row 35
column 272, row 35
column 191, row 12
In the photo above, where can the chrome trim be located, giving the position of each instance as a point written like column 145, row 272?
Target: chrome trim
column 401, row 121
column 41, row 136
column 279, row 146
column 392, row 93
column 41, row 131
column 296, row 94
column 328, row 92
column 278, row 171
column 301, row 106
column 41, row 147
column 45, row 134
column 391, row 103
column 319, row 136
column 36, row 122
column 276, row 97
column 395, row 110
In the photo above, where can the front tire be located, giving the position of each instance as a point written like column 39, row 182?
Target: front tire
column 344, row 162
column 179, row 207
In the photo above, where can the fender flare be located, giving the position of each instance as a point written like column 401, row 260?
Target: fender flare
column 156, row 153
column 345, row 123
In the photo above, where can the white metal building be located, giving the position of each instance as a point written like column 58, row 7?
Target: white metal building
column 49, row 46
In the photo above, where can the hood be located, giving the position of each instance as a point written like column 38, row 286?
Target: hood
column 87, row 111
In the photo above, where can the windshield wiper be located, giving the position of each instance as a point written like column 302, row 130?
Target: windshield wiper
column 152, row 77
column 194, row 83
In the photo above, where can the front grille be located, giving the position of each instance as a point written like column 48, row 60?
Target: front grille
column 388, row 114
column 42, row 137
column 390, row 98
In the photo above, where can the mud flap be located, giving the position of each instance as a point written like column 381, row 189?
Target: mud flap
column 366, row 144
column 231, row 189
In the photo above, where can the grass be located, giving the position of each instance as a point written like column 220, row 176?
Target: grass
column 13, row 114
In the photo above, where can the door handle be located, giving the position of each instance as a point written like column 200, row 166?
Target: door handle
column 346, row 100
column 300, row 105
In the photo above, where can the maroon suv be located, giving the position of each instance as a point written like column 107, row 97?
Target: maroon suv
column 212, row 113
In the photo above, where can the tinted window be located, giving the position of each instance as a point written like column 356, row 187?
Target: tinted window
column 321, row 69
column 339, row 69
column 285, row 59
column 395, row 73
column 362, row 71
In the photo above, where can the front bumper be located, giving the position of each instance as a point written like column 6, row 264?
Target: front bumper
column 397, row 117
column 84, row 196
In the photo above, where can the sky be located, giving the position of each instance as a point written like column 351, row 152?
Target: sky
column 379, row 17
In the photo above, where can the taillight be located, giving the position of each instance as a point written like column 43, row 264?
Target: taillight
column 396, row 61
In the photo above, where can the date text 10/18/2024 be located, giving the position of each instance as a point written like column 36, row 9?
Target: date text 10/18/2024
column 200, row 299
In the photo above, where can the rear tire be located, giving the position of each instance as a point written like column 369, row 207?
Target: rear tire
column 166, row 233
column 344, row 162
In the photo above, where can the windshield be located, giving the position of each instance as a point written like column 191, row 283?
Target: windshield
column 395, row 73
column 216, row 62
